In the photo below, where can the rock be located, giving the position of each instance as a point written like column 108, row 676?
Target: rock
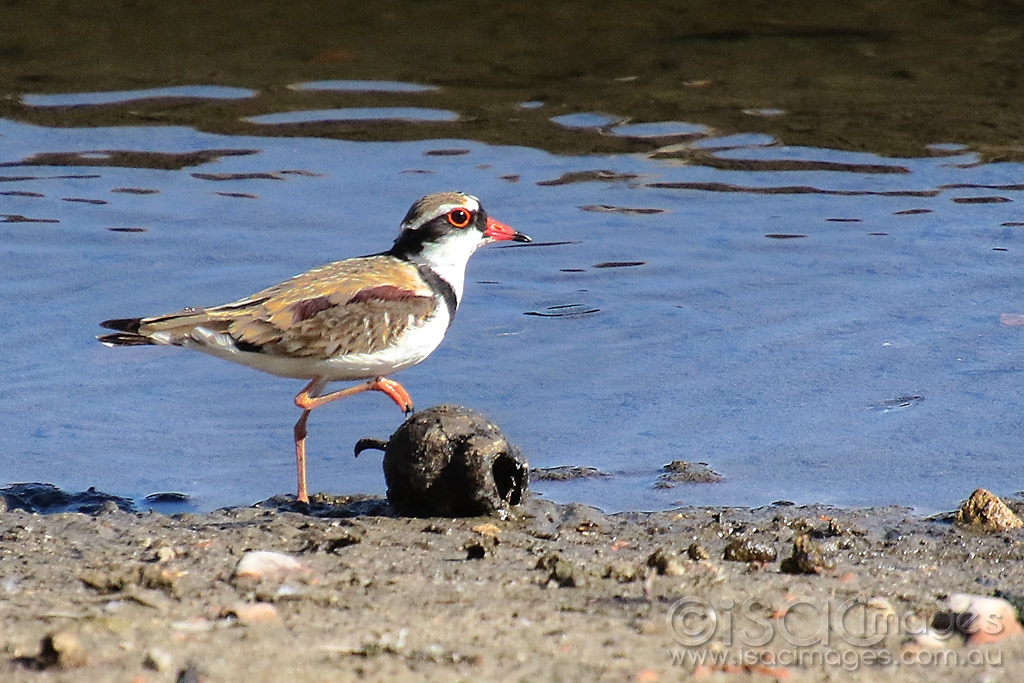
column 984, row 511
column 486, row 544
column 665, row 564
column 333, row 539
column 166, row 497
column 150, row 597
column 191, row 674
column 927, row 639
column 107, row 507
column 746, row 550
column 165, row 554
column 268, row 565
column 125, row 577
column 1015, row 598
column 807, row 558
column 683, row 472
column 196, row 624
column 561, row 572
column 255, row 613
column 111, row 579
column 487, row 529
column 882, row 607
column 624, row 572
column 450, row 461
column 581, row 518
column 63, row 650
column 697, row 552
column 979, row 618
column 158, row 659
column 478, row 550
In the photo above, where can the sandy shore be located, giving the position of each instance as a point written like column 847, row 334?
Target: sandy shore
column 557, row 593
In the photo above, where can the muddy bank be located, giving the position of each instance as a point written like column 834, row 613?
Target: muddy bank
column 558, row 592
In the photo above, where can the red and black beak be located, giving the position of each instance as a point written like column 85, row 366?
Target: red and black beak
column 499, row 231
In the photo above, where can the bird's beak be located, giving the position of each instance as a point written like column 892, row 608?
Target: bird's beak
column 499, row 231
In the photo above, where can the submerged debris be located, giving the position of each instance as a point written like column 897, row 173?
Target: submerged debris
column 603, row 175
column 566, row 473
column 48, row 499
column 607, row 208
column 168, row 497
column 683, row 472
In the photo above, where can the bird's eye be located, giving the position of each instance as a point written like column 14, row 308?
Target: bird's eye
column 459, row 218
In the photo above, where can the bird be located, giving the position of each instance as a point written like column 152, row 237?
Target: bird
column 361, row 318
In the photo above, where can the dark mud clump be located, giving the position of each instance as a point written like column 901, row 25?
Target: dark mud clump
column 452, row 461
column 566, row 473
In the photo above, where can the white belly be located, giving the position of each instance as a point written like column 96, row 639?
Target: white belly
column 415, row 345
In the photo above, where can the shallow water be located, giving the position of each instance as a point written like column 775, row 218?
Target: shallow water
column 830, row 335
column 784, row 241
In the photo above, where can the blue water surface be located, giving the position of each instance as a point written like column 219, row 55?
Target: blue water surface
column 839, row 335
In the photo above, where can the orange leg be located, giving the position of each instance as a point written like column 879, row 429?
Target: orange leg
column 308, row 400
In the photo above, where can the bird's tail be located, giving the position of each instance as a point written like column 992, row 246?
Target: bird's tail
column 127, row 333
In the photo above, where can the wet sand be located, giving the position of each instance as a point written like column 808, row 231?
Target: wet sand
column 558, row 592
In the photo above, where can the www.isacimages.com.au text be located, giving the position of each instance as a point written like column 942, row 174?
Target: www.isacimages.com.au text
column 849, row 660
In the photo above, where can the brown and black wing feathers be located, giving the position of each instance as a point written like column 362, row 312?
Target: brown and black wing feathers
column 370, row 320
column 354, row 306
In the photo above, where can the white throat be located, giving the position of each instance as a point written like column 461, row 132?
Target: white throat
column 448, row 258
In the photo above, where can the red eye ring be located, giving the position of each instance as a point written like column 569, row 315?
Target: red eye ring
column 460, row 218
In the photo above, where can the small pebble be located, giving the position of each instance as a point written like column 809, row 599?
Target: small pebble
column 665, row 564
column 478, row 550
column 746, row 550
column 928, row 639
column 193, row 625
column 807, row 558
column 150, row 597
column 623, row 572
column 63, row 650
column 158, row 659
column 561, row 572
column 191, row 674
column 165, row 554
column 108, row 507
column 697, row 552
column 255, row 613
column 269, row 565
column 487, row 529
column 881, row 606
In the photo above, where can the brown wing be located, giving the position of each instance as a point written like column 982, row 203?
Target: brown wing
column 354, row 306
